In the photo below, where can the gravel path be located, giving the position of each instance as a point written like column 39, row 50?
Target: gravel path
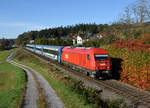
column 32, row 93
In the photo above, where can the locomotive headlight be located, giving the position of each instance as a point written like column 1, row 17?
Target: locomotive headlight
column 108, row 67
column 107, row 71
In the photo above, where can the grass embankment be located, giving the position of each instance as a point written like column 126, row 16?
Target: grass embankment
column 12, row 83
column 73, row 93
column 132, row 67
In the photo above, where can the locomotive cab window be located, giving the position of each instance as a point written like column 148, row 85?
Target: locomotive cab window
column 101, row 57
column 88, row 57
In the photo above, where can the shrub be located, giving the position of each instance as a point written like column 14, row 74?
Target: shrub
column 135, row 66
column 93, row 96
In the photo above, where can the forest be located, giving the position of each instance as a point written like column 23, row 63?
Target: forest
column 46, row 36
column 6, row 43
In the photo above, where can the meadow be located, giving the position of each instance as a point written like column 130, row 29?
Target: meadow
column 12, row 83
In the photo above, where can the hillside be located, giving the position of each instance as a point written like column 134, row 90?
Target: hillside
column 45, row 36
column 53, row 36
column 130, row 66
column 128, row 45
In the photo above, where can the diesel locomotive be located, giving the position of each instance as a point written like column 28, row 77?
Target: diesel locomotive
column 95, row 62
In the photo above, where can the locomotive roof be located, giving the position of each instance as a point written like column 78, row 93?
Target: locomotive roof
column 85, row 49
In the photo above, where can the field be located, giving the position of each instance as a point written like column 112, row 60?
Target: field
column 73, row 93
column 12, row 83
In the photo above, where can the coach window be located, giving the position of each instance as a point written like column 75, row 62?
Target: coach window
column 88, row 57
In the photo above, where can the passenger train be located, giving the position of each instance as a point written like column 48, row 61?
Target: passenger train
column 95, row 62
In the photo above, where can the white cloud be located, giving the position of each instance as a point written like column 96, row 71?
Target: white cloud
column 28, row 26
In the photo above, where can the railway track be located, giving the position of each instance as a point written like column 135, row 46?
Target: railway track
column 138, row 96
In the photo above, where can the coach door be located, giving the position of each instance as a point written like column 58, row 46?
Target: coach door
column 82, row 60
column 88, row 60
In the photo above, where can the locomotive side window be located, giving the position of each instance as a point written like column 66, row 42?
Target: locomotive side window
column 101, row 57
column 88, row 57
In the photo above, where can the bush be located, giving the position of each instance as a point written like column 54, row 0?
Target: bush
column 135, row 66
column 93, row 96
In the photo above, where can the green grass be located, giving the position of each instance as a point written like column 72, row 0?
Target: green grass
column 61, row 82
column 12, row 83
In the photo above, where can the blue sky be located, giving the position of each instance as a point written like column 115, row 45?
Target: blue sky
column 18, row 16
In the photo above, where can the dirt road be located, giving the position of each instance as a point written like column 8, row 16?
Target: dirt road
column 37, row 89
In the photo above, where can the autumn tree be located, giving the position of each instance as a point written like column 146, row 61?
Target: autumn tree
column 137, row 12
column 140, row 11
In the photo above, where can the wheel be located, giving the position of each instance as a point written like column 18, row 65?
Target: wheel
column 100, row 78
column 87, row 73
column 92, row 75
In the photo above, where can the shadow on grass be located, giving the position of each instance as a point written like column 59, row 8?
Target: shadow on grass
column 3, row 49
column 116, row 68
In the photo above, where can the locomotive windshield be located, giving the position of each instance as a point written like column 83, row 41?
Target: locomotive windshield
column 101, row 57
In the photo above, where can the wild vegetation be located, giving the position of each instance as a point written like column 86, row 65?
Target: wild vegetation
column 12, row 83
column 134, row 66
column 73, row 93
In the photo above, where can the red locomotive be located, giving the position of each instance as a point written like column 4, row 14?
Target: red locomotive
column 94, row 61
